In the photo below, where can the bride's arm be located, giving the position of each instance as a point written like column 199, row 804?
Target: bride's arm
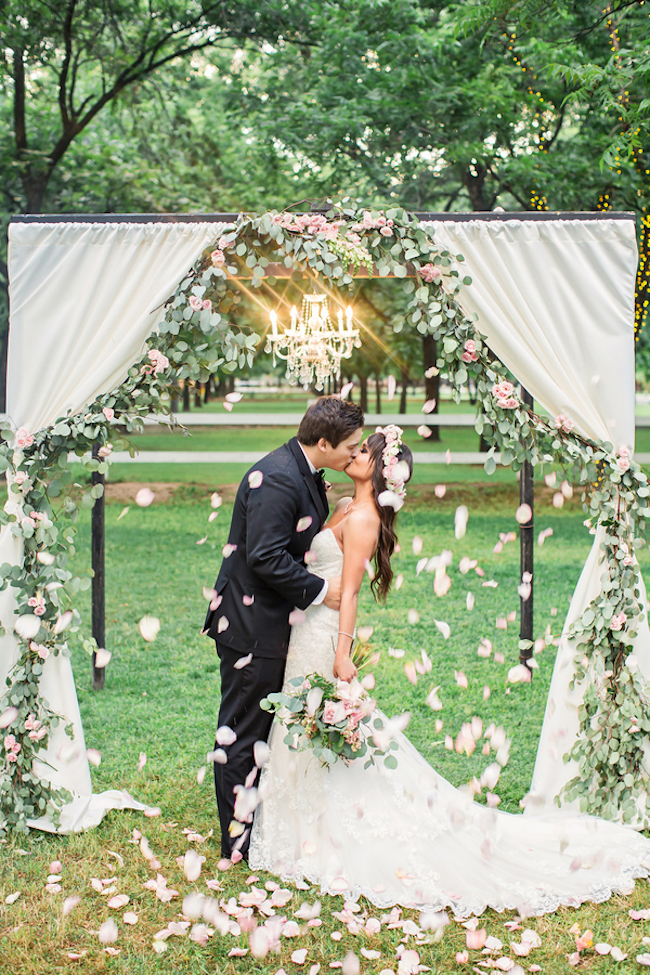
column 359, row 538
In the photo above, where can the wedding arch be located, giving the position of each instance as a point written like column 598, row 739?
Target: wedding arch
column 95, row 338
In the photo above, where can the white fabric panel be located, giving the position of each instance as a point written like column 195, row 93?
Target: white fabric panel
column 84, row 298
column 555, row 300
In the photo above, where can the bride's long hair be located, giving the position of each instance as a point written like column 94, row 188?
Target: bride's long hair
column 380, row 585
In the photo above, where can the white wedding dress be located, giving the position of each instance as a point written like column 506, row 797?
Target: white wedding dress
column 408, row 836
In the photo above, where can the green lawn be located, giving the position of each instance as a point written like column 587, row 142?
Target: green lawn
column 162, row 699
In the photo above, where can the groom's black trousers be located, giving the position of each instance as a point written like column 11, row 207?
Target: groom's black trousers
column 241, row 693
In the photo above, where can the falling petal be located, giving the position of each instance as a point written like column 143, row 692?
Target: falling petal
column 8, row 717
column 448, row 456
column 345, row 390
column 143, row 761
column 413, row 616
column 203, row 540
column 399, row 581
column 123, row 513
column 69, row 904
column 149, row 627
column 409, row 670
column 566, row 490
column 433, row 700
column 520, row 674
column 351, row 964
column 429, row 406
column 550, row 479
column 108, row 932
column 444, row 628
column 392, row 386
column 421, row 565
column 225, row 736
column 499, row 658
column 200, row 775
column 248, row 600
column 461, row 679
column 28, row 625
column 365, row 632
column 227, row 406
column 223, row 624
column 441, row 583
column 304, row 523
column 228, row 550
column 102, row 658
column 213, row 515
column 501, row 623
column 424, row 431
column 558, row 499
column 259, row 941
column 255, row 479
column 389, row 499
column 296, row 617
column 524, row 514
column 216, row 500
column 242, row 662
column 261, row 753
column 46, row 558
column 234, row 397
column 93, row 756
column 192, row 864
column 144, row 497
column 470, row 601
column 460, row 521
column 440, row 490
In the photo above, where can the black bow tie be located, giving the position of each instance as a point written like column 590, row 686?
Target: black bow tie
column 319, row 476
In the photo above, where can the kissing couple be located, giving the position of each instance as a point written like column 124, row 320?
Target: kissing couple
column 400, row 835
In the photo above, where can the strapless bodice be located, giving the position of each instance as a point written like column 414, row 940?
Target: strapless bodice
column 329, row 557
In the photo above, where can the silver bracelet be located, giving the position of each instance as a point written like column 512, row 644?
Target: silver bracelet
column 343, row 633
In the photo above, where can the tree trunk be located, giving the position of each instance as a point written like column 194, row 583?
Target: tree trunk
column 431, row 383
column 402, row 398
column 197, row 396
column 363, row 393
column 206, row 390
column 377, row 392
column 186, row 398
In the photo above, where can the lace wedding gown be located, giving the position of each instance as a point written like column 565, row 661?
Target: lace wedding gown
column 407, row 836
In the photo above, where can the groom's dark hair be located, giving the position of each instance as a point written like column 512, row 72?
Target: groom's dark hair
column 331, row 418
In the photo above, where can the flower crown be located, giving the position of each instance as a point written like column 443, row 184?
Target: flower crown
column 393, row 471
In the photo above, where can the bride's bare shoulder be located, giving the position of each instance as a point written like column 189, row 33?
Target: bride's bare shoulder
column 341, row 505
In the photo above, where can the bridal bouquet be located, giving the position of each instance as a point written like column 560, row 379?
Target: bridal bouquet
column 334, row 719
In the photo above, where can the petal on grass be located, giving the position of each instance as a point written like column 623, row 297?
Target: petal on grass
column 149, row 627
column 444, row 628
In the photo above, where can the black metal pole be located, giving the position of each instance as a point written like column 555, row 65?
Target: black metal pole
column 98, row 586
column 526, row 540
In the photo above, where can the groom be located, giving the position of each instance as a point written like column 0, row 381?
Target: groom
column 280, row 506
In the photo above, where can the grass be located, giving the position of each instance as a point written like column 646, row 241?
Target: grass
column 162, row 699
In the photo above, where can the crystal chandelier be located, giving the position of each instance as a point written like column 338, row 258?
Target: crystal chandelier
column 311, row 345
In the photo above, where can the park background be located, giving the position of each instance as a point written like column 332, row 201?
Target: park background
column 259, row 104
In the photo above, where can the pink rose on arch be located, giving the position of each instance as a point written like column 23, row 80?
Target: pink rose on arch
column 503, row 390
column 23, row 438
column 353, row 238
column 224, row 242
column 386, row 231
column 12, row 757
column 368, row 222
column 106, row 450
column 218, row 258
column 508, row 404
column 108, row 413
column 20, row 477
column 468, row 357
column 207, row 304
column 618, row 622
column 37, row 735
column 195, row 303
column 381, row 221
column 32, row 724
column 563, row 423
column 28, row 522
column 623, row 460
column 159, row 361
column 9, row 742
column 430, row 273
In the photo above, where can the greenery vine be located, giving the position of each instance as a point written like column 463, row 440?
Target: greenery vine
column 197, row 338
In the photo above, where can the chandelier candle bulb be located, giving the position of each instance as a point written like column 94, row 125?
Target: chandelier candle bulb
column 274, row 323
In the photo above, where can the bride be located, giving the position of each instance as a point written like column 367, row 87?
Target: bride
column 407, row 836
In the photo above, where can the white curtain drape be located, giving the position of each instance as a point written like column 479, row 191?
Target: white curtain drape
column 555, row 300
column 84, row 297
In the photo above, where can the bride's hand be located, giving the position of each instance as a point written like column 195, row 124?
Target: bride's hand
column 344, row 669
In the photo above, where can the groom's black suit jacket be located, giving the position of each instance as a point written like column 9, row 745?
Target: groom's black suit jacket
column 267, row 563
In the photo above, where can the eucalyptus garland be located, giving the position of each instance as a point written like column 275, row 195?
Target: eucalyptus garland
column 198, row 338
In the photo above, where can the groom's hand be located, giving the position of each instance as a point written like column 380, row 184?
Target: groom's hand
column 333, row 594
